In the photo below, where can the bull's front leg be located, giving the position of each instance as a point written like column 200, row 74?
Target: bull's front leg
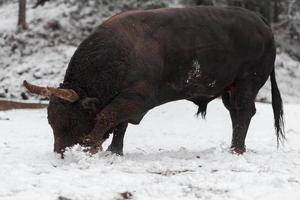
column 116, row 145
column 124, row 107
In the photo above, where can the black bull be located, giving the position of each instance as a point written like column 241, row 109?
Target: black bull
column 138, row 60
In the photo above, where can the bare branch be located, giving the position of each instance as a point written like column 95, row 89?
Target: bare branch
column 39, row 3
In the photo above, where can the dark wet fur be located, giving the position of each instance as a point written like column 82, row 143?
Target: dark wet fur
column 97, row 67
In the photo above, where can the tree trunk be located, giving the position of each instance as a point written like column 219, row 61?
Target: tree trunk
column 268, row 11
column 22, row 15
column 276, row 11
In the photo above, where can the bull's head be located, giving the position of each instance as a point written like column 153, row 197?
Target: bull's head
column 70, row 116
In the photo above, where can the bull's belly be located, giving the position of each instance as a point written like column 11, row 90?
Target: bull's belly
column 197, row 82
column 191, row 89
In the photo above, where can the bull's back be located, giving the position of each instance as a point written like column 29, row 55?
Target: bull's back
column 200, row 28
column 214, row 41
column 184, row 33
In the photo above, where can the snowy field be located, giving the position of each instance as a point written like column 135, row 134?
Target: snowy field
column 170, row 155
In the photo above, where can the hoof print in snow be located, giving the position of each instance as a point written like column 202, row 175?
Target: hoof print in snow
column 4, row 118
column 125, row 195
column 63, row 198
column 169, row 172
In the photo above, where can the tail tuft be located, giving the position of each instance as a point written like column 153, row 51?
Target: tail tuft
column 277, row 110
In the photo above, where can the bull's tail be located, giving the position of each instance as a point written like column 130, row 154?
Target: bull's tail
column 277, row 109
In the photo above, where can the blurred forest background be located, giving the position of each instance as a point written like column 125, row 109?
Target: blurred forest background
column 38, row 37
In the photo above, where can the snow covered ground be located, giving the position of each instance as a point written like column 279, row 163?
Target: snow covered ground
column 170, row 155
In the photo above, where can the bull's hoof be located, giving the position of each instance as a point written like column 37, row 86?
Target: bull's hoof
column 113, row 150
column 91, row 146
column 92, row 150
column 238, row 150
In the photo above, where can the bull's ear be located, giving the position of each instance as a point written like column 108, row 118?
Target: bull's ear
column 92, row 104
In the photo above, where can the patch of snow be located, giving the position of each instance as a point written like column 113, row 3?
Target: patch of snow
column 212, row 84
column 8, row 22
column 195, row 72
column 170, row 155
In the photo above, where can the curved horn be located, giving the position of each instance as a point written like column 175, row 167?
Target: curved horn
column 66, row 94
column 43, row 91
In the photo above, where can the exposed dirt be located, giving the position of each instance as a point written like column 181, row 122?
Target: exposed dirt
column 9, row 105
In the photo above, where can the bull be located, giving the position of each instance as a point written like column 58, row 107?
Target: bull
column 137, row 60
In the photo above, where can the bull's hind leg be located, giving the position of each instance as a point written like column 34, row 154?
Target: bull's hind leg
column 240, row 101
column 116, row 145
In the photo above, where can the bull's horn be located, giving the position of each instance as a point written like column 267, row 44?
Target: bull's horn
column 43, row 91
column 66, row 94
